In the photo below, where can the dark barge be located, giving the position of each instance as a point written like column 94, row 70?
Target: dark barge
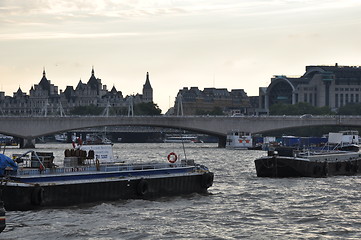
column 286, row 162
column 42, row 186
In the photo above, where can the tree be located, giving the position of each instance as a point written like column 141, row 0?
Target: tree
column 148, row 108
column 118, row 111
column 86, row 110
column 350, row 109
column 214, row 111
column 298, row 109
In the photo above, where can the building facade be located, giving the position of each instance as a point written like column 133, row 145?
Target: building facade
column 194, row 101
column 45, row 99
column 331, row 86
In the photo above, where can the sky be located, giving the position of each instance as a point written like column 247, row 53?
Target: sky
column 233, row 44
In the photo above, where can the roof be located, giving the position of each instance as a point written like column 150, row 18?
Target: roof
column 93, row 82
column 147, row 82
column 44, row 83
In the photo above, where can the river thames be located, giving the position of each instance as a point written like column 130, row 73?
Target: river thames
column 239, row 204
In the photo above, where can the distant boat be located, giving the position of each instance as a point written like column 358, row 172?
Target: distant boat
column 7, row 140
column 61, row 137
column 182, row 139
column 94, row 139
column 344, row 140
column 91, row 139
column 241, row 140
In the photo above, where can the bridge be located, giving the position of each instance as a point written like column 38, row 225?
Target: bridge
column 29, row 127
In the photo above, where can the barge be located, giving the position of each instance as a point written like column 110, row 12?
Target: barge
column 32, row 180
column 287, row 162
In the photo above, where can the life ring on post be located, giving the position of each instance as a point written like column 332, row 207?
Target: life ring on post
column 172, row 157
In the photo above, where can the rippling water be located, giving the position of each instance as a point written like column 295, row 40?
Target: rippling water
column 239, row 206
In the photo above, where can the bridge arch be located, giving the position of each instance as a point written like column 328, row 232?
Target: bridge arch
column 32, row 127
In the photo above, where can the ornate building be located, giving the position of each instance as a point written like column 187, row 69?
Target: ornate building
column 332, row 86
column 44, row 98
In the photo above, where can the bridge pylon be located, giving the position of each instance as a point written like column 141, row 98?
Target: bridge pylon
column 27, row 143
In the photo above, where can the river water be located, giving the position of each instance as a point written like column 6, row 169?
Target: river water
column 239, row 206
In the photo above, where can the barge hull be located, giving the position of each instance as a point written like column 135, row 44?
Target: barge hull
column 280, row 166
column 30, row 196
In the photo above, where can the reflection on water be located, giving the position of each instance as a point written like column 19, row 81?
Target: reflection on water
column 240, row 206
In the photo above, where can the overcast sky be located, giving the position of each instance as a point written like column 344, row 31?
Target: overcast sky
column 233, row 44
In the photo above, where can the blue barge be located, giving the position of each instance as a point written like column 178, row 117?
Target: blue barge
column 32, row 181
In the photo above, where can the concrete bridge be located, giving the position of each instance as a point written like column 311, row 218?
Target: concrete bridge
column 29, row 128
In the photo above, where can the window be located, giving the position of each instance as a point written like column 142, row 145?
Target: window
column 336, row 100
column 341, row 100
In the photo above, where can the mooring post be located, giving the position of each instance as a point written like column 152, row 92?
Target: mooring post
column 222, row 142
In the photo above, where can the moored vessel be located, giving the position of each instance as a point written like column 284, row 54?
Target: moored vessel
column 32, row 180
column 287, row 162
column 344, row 140
column 7, row 140
column 241, row 140
column 238, row 140
column 182, row 139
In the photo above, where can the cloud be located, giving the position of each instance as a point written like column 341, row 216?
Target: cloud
column 79, row 19
column 131, row 8
column 49, row 35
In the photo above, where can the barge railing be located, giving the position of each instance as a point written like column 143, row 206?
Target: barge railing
column 26, row 170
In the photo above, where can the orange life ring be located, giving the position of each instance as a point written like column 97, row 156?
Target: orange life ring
column 172, row 157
